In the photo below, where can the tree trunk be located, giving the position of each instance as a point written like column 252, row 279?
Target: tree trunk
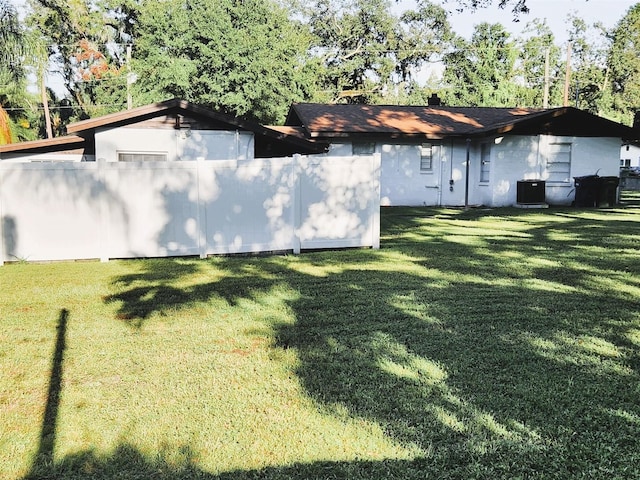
column 45, row 105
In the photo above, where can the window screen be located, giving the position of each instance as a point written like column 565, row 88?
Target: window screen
column 141, row 157
column 363, row 148
column 426, row 157
column 559, row 162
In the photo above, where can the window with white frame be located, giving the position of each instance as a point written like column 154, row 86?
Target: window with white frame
column 142, row 156
column 426, row 157
column 363, row 148
column 485, row 162
column 559, row 162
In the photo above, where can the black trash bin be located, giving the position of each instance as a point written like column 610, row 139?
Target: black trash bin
column 608, row 195
column 587, row 191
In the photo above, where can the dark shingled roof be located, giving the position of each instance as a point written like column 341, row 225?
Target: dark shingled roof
column 437, row 122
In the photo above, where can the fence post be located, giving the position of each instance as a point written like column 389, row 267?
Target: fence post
column 202, row 211
column 297, row 202
column 2, row 247
column 375, row 214
column 104, row 212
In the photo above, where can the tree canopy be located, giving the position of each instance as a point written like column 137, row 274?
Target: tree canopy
column 245, row 57
column 365, row 53
column 624, row 64
column 253, row 58
column 481, row 72
column 13, row 95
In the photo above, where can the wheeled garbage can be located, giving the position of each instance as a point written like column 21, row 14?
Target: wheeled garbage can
column 608, row 196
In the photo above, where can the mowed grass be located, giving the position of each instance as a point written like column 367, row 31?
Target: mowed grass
column 473, row 344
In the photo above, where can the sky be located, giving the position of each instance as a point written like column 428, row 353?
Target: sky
column 609, row 12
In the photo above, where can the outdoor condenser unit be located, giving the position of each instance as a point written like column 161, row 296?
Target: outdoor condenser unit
column 530, row 192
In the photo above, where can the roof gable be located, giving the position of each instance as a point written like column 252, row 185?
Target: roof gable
column 176, row 113
column 170, row 108
column 268, row 141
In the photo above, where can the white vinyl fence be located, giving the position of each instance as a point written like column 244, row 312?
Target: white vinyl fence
column 66, row 210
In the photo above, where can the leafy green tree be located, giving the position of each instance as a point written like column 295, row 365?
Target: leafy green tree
column 15, row 113
column 624, row 65
column 539, row 66
column 243, row 57
column 82, row 36
column 367, row 54
column 589, row 72
column 481, row 72
column 352, row 39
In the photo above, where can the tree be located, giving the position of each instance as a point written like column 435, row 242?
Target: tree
column 366, row 53
column 540, row 69
column 481, row 72
column 589, row 78
column 353, row 39
column 243, row 57
column 624, row 64
column 14, row 124
column 82, row 36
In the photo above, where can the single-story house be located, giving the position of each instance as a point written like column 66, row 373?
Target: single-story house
column 452, row 156
column 172, row 130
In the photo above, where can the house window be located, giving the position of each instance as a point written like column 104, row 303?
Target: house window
column 426, row 157
column 485, row 162
column 363, row 148
column 142, row 157
column 559, row 163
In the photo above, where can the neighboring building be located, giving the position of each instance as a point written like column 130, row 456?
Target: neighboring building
column 173, row 130
column 630, row 156
column 425, row 149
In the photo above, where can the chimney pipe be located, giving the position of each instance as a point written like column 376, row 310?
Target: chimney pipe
column 434, row 100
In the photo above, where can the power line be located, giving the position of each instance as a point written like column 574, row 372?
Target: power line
column 63, row 107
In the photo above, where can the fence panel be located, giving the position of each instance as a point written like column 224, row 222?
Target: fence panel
column 248, row 205
column 156, row 212
column 339, row 202
column 63, row 211
column 51, row 211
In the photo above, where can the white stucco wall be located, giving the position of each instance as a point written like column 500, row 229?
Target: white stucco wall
column 176, row 144
column 525, row 158
column 630, row 156
column 513, row 158
column 402, row 182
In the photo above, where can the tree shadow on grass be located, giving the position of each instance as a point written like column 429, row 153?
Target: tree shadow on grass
column 490, row 371
column 127, row 463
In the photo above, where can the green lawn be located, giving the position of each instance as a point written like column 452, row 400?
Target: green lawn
column 474, row 344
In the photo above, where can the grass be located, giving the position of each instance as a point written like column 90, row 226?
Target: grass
column 473, row 344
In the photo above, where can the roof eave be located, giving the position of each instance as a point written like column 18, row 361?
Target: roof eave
column 43, row 144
